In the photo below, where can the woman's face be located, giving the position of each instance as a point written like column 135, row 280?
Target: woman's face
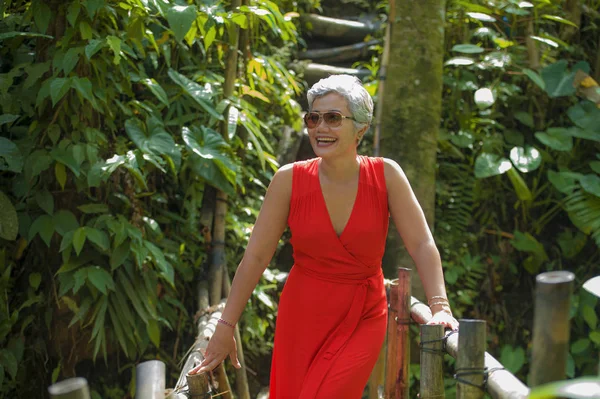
column 327, row 140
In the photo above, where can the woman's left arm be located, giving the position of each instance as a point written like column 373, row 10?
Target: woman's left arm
column 412, row 226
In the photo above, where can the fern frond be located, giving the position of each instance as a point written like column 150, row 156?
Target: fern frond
column 584, row 210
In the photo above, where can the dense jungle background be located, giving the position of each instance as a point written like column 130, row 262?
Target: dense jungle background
column 120, row 130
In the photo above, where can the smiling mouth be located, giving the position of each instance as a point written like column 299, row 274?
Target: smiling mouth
column 326, row 140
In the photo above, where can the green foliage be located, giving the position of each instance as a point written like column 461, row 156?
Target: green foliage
column 110, row 113
column 517, row 157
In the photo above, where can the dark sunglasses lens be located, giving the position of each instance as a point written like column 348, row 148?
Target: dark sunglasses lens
column 311, row 119
column 333, row 119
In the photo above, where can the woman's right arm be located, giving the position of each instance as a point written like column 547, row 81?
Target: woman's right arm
column 269, row 226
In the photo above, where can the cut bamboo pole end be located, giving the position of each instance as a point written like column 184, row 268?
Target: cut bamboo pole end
column 432, row 361
column 470, row 364
column 72, row 388
column 551, row 327
column 198, row 386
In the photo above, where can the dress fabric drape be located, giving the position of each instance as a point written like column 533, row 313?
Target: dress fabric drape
column 332, row 313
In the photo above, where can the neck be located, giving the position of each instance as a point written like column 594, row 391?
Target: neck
column 340, row 168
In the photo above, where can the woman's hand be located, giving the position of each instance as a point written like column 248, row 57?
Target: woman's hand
column 444, row 318
column 221, row 345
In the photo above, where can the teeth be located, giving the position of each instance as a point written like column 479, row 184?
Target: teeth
column 330, row 140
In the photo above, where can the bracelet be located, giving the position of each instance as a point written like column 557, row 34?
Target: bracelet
column 443, row 298
column 439, row 303
column 228, row 324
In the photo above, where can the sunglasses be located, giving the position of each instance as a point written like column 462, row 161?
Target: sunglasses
column 331, row 118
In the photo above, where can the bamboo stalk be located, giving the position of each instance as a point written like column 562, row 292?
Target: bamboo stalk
column 72, row 388
column 501, row 383
column 470, row 363
column 532, row 48
column 403, row 350
column 218, row 249
column 339, row 30
column 432, row 361
column 385, row 59
column 241, row 375
column 351, row 52
column 150, row 380
column 391, row 367
column 314, row 72
column 551, row 327
column 198, row 385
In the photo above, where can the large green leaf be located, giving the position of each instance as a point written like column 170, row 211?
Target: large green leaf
column 10, row 156
column 58, row 88
column 157, row 90
column 44, row 226
column 180, row 19
column 9, row 223
column 64, row 221
column 525, row 159
column 45, row 200
column 586, row 115
column 565, row 182
column 557, row 138
column 467, row 48
column 202, row 95
column 155, row 140
column 487, row 165
column 591, row 184
column 513, row 359
column 100, row 279
column 558, row 79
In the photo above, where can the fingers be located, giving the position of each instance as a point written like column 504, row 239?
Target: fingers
column 208, row 364
column 234, row 359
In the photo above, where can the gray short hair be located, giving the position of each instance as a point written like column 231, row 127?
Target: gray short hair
column 352, row 90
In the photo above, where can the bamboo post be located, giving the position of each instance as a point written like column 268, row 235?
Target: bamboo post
column 470, row 363
column 241, row 376
column 551, row 327
column 150, row 380
column 402, row 353
column 432, row 360
column 198, row 386
column 391, row 367
column 72, row 388
column 501, row 383
column 385, row 58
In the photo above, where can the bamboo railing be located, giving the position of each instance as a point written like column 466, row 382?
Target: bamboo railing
column 477, row 371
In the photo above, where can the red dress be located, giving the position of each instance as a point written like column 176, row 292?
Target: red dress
column 332, row 313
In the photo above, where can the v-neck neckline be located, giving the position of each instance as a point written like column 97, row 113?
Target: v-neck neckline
column 360, row 172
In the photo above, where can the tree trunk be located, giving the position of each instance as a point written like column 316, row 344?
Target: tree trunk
column 412, row 110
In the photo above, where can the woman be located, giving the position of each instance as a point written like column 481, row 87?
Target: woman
column 332, row 313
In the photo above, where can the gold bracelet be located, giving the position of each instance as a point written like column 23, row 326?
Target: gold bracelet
column 443, row 298
column 439, row 303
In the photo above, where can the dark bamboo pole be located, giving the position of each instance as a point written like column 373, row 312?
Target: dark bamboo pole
column 551, row 327
column 403, row 337
column 72, row 388
column 241, row 376
column 432, row 361
column 385, row 58
column 470, row 363
column 218, row 249
column 391, row 367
